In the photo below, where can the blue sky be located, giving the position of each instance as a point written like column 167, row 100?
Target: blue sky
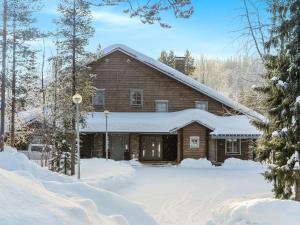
column 210, row 31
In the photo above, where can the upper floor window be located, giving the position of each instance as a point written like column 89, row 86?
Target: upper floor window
column 161, row 105
column 136, row 97
column 99, row 98
column 233, row 146
column 201, row 105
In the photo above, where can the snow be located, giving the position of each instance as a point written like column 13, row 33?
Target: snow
column 294, row 159
column 264, row 211
column 275, row 133
column 196, row 163
column 32, row 195
column 175, row 74
column 169, row 122
column 238, row 164
column 298, row 100
column 274, row 79
column 24, row 200
column 176, row 196
column 110, row 174
column 282, row 84
column 194, row 193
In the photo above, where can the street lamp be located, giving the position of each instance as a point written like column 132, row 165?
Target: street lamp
column 77, row 99
column 106, row 112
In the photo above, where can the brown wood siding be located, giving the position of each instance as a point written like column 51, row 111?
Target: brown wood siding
column 194, row 129
column 117, row 76
column 245, row 154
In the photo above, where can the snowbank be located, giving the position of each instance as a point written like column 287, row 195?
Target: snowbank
column 43, row 190
column 266, row 211
column 110, row 174
column 24, row 200
column 196, row 163
column 238, row 164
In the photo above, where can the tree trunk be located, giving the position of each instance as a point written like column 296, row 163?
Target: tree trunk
column 13, row 85
column 73, row 143
column 297, row 187
column 3, row 78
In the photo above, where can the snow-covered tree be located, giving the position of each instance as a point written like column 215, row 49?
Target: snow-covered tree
column 74, row 31
column 21, row 58
column 189, row 66
column 280, row 143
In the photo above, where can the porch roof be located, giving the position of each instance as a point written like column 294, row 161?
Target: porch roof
column 169, row 122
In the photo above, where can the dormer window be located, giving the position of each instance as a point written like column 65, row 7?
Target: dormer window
column 136, row 97
column 99, row 98
column 203, row 105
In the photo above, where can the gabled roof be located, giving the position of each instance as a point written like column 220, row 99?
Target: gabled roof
column 169, row 122
column 177, row 75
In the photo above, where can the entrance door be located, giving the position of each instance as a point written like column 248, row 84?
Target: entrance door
column 118, row 145
column 151, row 148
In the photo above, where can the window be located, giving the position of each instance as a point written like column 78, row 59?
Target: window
column 136, row 97
column 99, row 98
column 233, row 146
column 201, row 105
column 161, row 105
column 194, row 142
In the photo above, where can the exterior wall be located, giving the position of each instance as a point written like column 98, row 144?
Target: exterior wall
column 117, row 73
column 134, row 145
column 245, row 151
column 194, row 129
column 211, row 150
column 98, row 145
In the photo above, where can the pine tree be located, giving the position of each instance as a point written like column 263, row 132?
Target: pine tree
column 280, row 143
column 163, row 57
column 189, row 66
column 23, row 64
column 74, row 30
column 3, row 72
column 171, row 59
column 168, row 58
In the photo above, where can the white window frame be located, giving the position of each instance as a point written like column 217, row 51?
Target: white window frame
column 161, row 101
column 193, row 145
column 202, row 102
column 104, row 94
column 239, row 141
column 142, row 97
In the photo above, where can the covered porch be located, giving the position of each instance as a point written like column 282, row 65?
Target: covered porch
column 127, row 146
column 171, row 137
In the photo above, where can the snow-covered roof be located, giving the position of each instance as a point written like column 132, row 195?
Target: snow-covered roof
column 169, row 122
column 171, row 72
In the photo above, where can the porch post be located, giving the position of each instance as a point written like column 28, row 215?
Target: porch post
column 178, row 147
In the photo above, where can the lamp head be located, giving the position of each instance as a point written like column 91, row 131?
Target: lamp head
column 77, row 98
column 106, row 112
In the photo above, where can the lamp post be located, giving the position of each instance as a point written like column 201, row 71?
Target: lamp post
column 106, row 112
column 77, row 99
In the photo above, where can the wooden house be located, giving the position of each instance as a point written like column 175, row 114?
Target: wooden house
column 158, row 113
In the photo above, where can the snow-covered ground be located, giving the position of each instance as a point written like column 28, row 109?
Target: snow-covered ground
column 179, row 196
column 33, row 195
column 193, row 193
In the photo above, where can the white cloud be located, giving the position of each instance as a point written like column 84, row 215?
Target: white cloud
column 115, row 19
